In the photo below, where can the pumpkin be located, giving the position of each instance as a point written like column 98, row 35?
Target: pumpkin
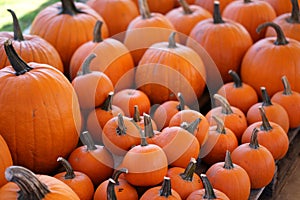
column 51, row 113
column 79, row 182
column 289, row 23
column 159, row 6
column 274, row 111
column 237, row 180
column 257, row 160
column 220, row 139
column 209, row 4
column 271, row 135
column 185, row 17
column 24, row 184
column 116, row 14
column 185, row 180
column 5, row 160
column 164, row 191
column 227, row 51
column 59, row 24
column 93, row 160
column 238, row 93
column 280, row 6
column 31, row 48
column 288, row 99
column 250, row 13
column 165, row 62
column 91, row 87
column 208, row 192
column 271, row 54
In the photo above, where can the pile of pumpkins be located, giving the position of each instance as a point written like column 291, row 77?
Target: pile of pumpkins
column 107, row 99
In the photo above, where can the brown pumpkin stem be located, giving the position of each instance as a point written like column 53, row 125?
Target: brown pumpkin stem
column 228, row 162
column 287, row 87
column 281, row 39
column 172, row 42
column 220, row 125
column 237, row 82
column 136, row 114
column 265, row 126
column 18, row 64
column 186, row 7
column 144, row 9
column 189, row 171
column 87, row 140
column 18, row 35
column 97, row 34
column 166, row 189
column 295, row 15
column 191, row 127
column 86, row 64
column 226, row 108
column 107, row 105
column 117, row 174
column 144, row 141
column 148, row 127
column 253, row 140
column 31, row 188
column 181, row 102
column 209, row 191
column 266, row 100
column 68, row 7
column 110, row 191
column 69, row 170
column 121, row 129
column 217, row 17
column 247, row 1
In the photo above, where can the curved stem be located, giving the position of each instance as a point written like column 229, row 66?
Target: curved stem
column 18, row 35
column 31, row 188
column 217, row 17
column 148, row 127
column 266, row 100
column 69, row 170
column 237, row 82
column 191, row 127
column 281, row 39
column 209, row 191
column 97, row 34
column 110, row 191
column 186, row 7
column 220, row 125
column 189, row 171
column 18, row 64
column 86, row 64
column 253, row 140
column 87, row 140
column 107, row 105
column 121, row 129
column 287, row 87
column 228, row 162
column 136, row 114
column 68, row 7
column 181, row 102
column 265, row 126
column 166, row 189
column 295, row 15
column 117, row 173
column 172, row 42
column 144, row 9
column 226, row 108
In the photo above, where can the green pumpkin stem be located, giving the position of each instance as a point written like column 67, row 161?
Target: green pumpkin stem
column 228, row 162
column 189, row 171
column 226, row 108
column 186, row 7
column 265, row 126
column 110, row 191
column 181, row 104
column 97, row 33
column 107, row 105
column 69, row 170
column 18, row 64
column 18, row 35
column 220, row 125
column 253, row 140
column 172, row 42
column 144, row 9
column 295, row 15
column 266, row 100
column 31, row 188
column 191, row 127
column 87, row 140
column 136, row 114
column 217, row 17
column 117, row 174
column 68, row 7
column 209, row 191
column 237, row 82
column 286, row 85
column 166, row 189
column 121, row 129
column 281, row 39
column 148, row 127
column 86, row 64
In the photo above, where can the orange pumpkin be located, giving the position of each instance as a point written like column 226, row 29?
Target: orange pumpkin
column 5, row 160
column 159, row 6
column 281, row 6
column 209, row 4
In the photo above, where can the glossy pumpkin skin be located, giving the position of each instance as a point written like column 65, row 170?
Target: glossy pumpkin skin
column 5, row 160
column 209, row 4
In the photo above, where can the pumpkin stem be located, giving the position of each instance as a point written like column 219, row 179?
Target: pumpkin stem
column 107, row 105
column 148, row 128
column 31, row 188
column 172, row 42
column 117, row 173
column 97, row 34
column 237, row 82
column 226, row 108
column 253, row 140
column 68, row 7
column 295, row 17
column 209, row 191
column 110, row 191
column 287, row 87
column 191, row 127
column 220, row 125
column 217, row 17
column 166, row 189
column 121, row 129
column 186, row 7
column 87, row 140
column 86, row 64
column 69, row 170
column 266, row 126
column 228, row 162
column 18, row 35
column 144, row 9
column 247, row 1
column 281, row 39
column 181, row 102
column 266, row 100
column 18, row 64
column 144, row 141
column 136, row 114
column 189, row 171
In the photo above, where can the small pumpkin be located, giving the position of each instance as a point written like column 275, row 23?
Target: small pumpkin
column 5, row 160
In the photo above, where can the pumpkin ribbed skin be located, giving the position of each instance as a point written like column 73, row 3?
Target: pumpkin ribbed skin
column 5, row 160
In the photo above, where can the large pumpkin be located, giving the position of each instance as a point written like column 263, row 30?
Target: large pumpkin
column 40, row 116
